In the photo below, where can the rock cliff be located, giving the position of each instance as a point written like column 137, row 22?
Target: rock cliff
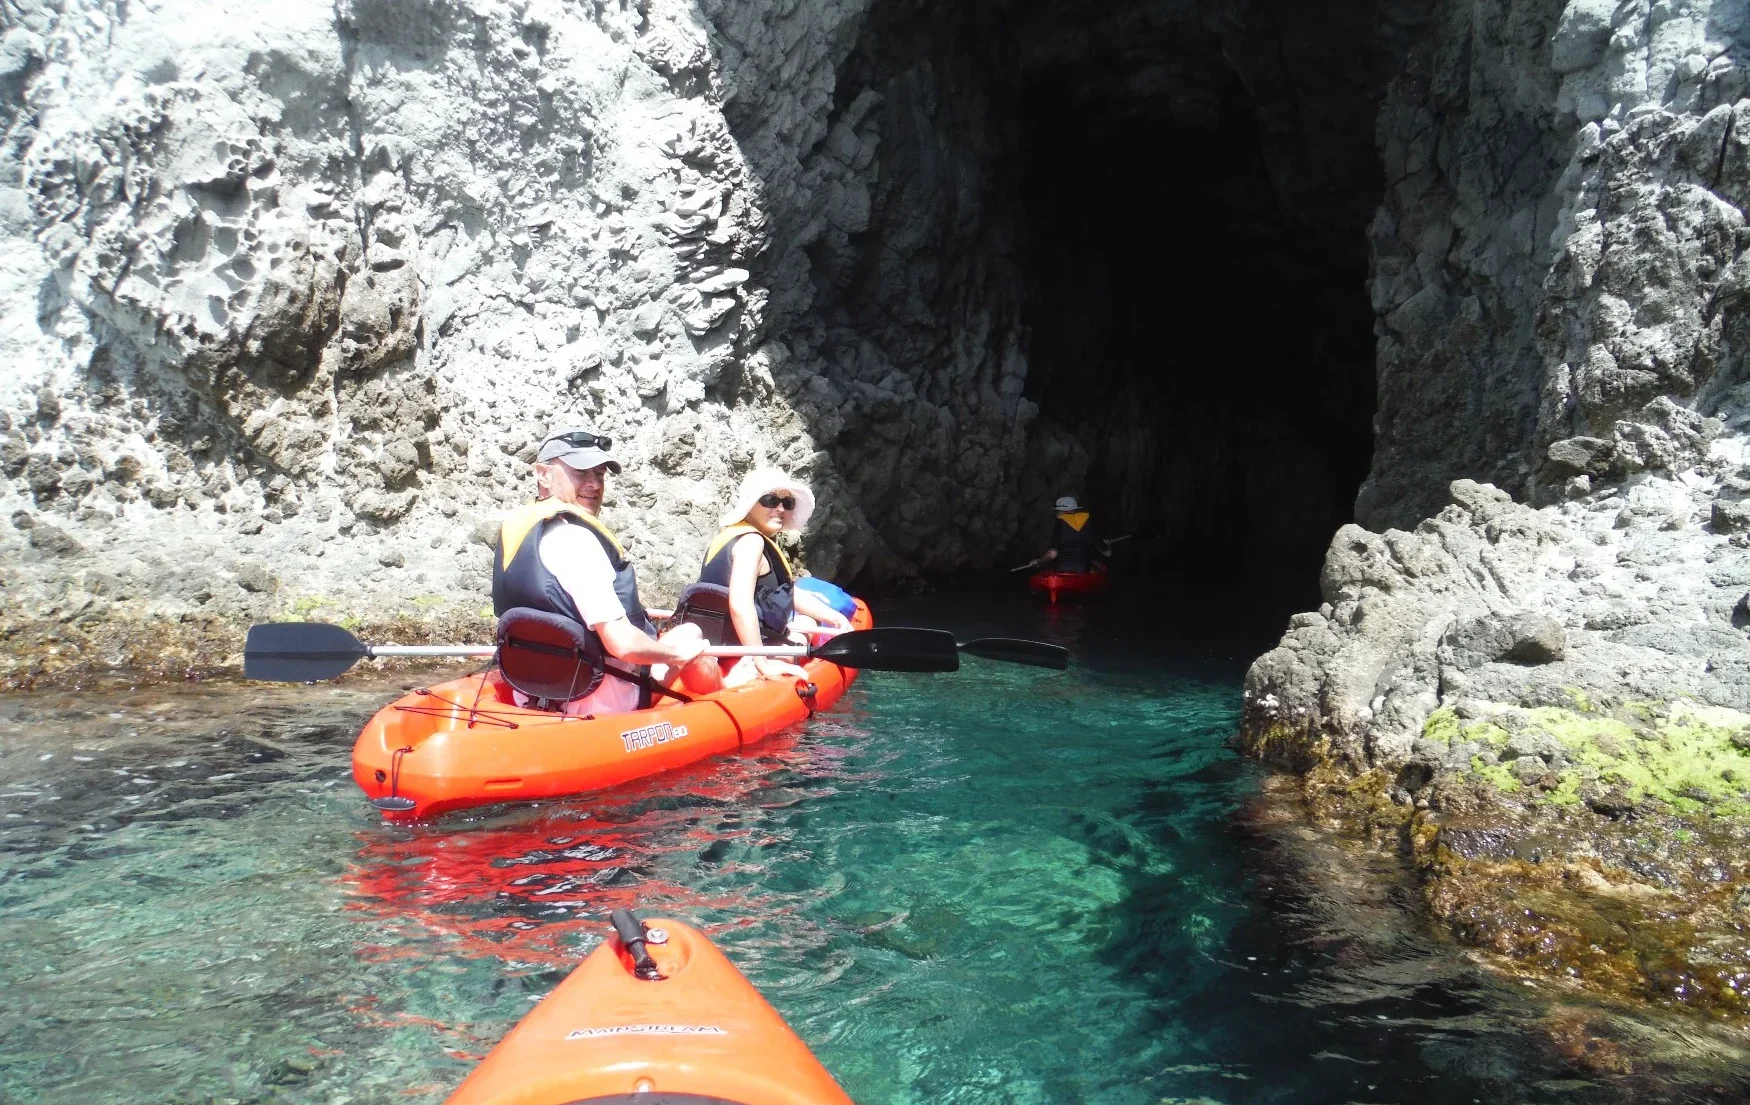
column 288, row 297
column 1540, row 686
column 290, row 293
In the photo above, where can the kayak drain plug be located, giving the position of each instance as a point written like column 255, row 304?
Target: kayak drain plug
column 393, row 803
column 633, row 938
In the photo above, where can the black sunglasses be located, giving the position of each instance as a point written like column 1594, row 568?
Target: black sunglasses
column 772, row 501
column 577, row 439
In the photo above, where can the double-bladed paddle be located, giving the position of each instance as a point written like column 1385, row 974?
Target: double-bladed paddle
column 1110, row 541
column 300, row 652
column 867, row 648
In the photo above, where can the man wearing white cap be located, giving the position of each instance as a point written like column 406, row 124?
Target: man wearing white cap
column 555, row 555
column 1075, row 544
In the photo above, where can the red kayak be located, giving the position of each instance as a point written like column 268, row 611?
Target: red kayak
column 1054, row 583
column 656, row 1014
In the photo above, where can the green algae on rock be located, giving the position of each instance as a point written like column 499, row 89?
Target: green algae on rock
column 1690, row 757
column 134, row 646
column 1603, row 850
column 1546, row 711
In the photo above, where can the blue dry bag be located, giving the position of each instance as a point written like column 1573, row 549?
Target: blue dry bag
column 836, row 597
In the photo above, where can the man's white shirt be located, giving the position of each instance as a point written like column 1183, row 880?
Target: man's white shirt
column 576, row 559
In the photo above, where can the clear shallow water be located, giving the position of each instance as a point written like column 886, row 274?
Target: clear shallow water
column 1007, row 885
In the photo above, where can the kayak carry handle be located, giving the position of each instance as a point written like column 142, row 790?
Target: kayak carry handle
column 630, row 930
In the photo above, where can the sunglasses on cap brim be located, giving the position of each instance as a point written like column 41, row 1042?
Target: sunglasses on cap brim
column 577, row 439
column 772, row 501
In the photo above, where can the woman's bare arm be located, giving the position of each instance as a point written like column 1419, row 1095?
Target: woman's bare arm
column 744, row 572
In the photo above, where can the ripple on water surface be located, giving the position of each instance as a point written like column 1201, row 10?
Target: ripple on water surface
column 1007, row 885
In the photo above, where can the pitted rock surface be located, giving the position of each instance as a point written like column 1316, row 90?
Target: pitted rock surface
column 1624, row 595
column 1556, row 263
column 289, row 292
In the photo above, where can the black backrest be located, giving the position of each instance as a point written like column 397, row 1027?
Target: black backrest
column 547, row 656
column 706, row 605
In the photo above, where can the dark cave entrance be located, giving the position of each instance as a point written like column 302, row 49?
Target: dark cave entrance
column 1214, row 367
column 1164, row 205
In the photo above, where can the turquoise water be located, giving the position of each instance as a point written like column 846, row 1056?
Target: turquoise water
column 1005, row 885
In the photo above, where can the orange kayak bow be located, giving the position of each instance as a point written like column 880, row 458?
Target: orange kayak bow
column 656, row 1014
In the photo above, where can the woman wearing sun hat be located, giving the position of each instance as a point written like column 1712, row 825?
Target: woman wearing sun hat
column 744, row 558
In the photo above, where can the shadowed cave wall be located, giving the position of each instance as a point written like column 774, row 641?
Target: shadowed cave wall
column 1161, row 208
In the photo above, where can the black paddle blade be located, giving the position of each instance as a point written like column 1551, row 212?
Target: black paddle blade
column 298, row 652
column 1015, row 651
column 893, row 648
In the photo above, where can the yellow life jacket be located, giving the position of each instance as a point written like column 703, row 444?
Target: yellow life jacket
column 727, row 536
column 519, row 578
column 774, row 597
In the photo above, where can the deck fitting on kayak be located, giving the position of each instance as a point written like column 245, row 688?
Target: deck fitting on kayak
column 807, row 692
column 633, row 937
column 391, row 802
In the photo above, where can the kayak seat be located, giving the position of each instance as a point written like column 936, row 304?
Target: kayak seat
column 548, row 657
column 706, row 605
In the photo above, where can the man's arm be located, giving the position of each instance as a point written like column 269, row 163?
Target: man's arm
column 625, row 641
column 576, row 559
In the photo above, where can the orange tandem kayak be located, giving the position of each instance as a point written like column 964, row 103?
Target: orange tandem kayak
column 465, row 743
column 613, row 1032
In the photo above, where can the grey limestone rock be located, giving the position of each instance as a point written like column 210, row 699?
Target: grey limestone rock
column 303, row 286
column 1517, row 638
column 1492, row 606
column 1558, row 316
column 1559, row 300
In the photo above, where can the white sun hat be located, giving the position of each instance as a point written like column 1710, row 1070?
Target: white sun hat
column 1066, row 504
column 763, row 480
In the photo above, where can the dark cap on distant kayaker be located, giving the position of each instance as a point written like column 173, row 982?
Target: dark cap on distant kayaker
column 578, row 446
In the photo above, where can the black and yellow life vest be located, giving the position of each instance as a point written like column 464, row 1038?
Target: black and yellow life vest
column 774, row 596
column 1075, row 541
column 520, row 579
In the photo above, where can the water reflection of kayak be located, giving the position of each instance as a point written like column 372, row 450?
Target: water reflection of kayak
column 464, row 743
column 655, row 1014
column 1055, row 583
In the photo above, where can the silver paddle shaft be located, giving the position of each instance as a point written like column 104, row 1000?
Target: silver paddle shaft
column 378, row 651
column 786, row 652
column 429, row 650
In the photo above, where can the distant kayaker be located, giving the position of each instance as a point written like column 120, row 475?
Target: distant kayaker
column 1075, row 545
column 555, row 555
column 764, row 602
